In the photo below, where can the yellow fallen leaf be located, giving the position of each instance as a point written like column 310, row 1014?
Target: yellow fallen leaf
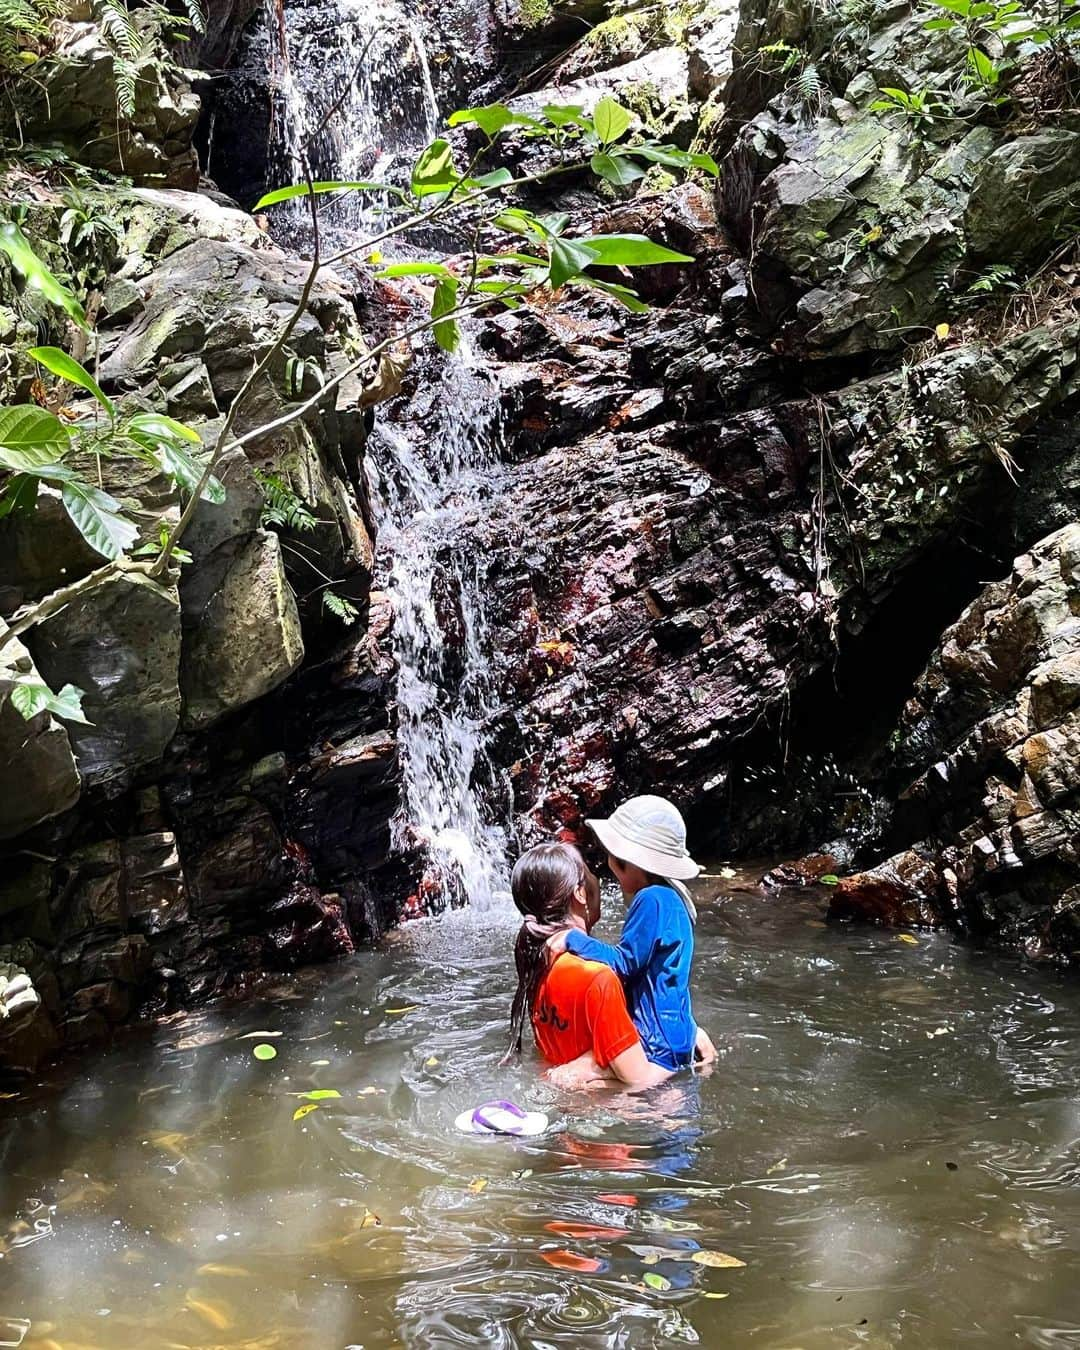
column 302, row 1111
column 942, row 331
column 720, row 1260
column 430, row 1062
column 214, row 1312
column 226, row 1272
column 400, row 1012
column 652, row 1259
column 319, row 1063
column 375, row 256
column 710, row 1294
column 172, row 1142
column 906, row 937
column 873, row 235
column 776, row 1167
column 260, row 1035
column 478, row 1185
column 370, row 1220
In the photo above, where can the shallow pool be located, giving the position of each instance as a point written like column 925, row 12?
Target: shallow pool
column 890, row 1145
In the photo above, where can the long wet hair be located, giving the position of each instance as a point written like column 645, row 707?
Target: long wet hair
column 543, row 883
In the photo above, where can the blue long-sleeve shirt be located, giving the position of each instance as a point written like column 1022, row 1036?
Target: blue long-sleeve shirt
column 653, row 959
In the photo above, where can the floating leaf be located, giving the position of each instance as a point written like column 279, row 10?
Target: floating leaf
column 727, row 873
column 264, row 1052
column 907, row 937
column 214, row 1312
column 564, row 1260
column 321, row 1094
column 320, row 1063
column 224, row 1272
column 430, row 1062
column 370, row 1220
column 776, row 1167
column 371, row 1091
column 718, row 1260
column 259, row 1035
column 710, row 1294
column 829, row 879
column 400, row 1012
column 655, row 1281
column 302, row 1111
column 477, row 1185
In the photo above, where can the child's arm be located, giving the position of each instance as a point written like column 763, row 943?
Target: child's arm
column 634, row 949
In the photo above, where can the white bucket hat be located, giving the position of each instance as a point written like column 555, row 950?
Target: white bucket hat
column 649, row 832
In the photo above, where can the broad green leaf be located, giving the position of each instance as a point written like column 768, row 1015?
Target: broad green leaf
column 157, row 424
column 564, row 115
column 97, row 517
column 320, row 1094
column 675, row 158
column 31, row 696
column 938, row 25
column 616, row 169
column 625, row 296
column 495, row 179
column 447, row 333
column 186, row 470
column 288, row 194
column 19, row 495
column 264, row 1052
column 25, row 261
column 629, row 250
column 554, row 222
column 490, row 119
column 611, row 120
column 434, row 171
column 414, row 269
column 517, row 221
column 569, row 258
column 67, row 368
column 984, row 70
column 34, row 433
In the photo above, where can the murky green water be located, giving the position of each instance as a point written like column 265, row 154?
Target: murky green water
column 891, row 1144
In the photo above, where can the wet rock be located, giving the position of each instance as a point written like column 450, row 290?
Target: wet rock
column 75, row 94
column 990, row 747
column 904, row 892
column 245, row 640
column 1020, row 194
column 49, row 781
column 119, row 642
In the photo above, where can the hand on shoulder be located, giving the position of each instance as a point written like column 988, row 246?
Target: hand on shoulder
column 556, row 945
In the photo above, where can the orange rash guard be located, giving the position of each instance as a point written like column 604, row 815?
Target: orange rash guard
column 580, row 1005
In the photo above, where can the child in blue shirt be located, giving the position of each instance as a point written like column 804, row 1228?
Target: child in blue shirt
column 646, row 845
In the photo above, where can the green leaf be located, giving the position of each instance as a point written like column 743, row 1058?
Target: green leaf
column 186, row 471
column 625, row 296
column 655, row 1281
column 630, row 250
column 34, row 435
column 25, row 261
column 616, row 169
column 414, row 269
column 565, row 114
column 67, row 368
column 673, row 157
column 320, row 1094
column 829, row 879
column 19, row 495
column 97, row 517
column 447, row 333
column 611, row 120
column 490, row 119
column 569, row 258
column 302, row 1111
column 157, row 424
column 264, row 1052
column 31, row 695
column 938, row 25
column 434, row 171
column 982, row 67
column 287, row 194
column 495, row 179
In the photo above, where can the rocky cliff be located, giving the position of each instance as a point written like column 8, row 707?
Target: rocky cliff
column 751, row 513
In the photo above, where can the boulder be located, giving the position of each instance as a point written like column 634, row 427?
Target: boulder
column 1023, row 196
column 245, row 640
column 119, row 642
column 35, row 756
column 990, row 748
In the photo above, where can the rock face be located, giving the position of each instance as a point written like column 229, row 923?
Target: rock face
column 989, row 748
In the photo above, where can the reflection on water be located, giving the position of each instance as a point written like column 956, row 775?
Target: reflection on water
column 891, row 1145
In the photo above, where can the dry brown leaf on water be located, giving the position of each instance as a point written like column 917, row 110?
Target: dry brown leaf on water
column 215, row 1312
column 718, row 1260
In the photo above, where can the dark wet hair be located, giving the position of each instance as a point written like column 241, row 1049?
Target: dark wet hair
column 542, row 883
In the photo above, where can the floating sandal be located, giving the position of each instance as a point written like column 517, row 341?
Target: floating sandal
column 502, row 1118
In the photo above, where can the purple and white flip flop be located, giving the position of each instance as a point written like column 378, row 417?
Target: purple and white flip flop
column 502, row 1118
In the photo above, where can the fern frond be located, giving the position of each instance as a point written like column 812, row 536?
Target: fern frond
column 196, row 15
column 809, row 86
column 341, row 608
column 282, row 506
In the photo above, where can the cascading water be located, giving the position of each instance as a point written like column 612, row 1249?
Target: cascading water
column 433, row 459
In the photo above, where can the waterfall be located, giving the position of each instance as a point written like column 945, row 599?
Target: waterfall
column 432, row 458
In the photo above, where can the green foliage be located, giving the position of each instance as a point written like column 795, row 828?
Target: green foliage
column 340, row 607
column 36, row 275
column 919, row 107
column 31, row 696
column 25, row 27
column 281, row 505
